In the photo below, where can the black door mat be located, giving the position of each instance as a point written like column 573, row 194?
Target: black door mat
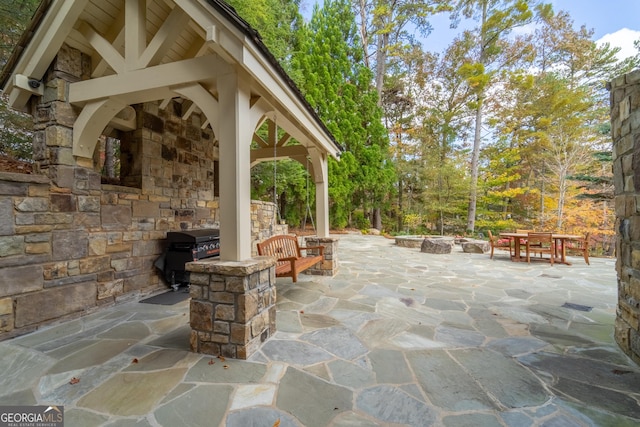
column 578, row 307
column 168, row 298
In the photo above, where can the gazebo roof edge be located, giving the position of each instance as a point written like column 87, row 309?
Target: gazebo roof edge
column 222, row 7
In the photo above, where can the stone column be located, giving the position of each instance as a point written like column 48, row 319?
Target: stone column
column 625, row 130
column 54, row 119
column 328, row 267
column 233, row 305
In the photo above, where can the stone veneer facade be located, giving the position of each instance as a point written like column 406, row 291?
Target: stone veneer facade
column 328, row 267
column 625, row 129
column 69, row 244
column 233, row 306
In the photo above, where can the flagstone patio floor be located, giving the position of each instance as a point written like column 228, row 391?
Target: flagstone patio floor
column 397, row 337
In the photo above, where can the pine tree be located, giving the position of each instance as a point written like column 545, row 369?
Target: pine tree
column 338, row 86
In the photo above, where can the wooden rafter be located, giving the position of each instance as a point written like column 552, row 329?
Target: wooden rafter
column 108, row 53
column 164, row 38
column 135, row 39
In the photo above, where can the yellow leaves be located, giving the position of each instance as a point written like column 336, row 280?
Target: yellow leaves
column 475, row 75
column 508, row 193
column 412, row 221
column 276, row 423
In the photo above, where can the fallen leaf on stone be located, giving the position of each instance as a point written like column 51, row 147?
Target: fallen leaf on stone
column 221, row 358
column 226, row 366
column 74, row 380
column 135, row 360
column 277, row 423
column 211, row 361
column 301, row 311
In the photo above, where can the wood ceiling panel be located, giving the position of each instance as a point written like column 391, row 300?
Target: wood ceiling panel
column 76, row 41
column 100, row 18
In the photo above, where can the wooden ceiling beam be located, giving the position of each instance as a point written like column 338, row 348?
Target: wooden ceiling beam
column 159, row 77
column 162, row 41
column 135, row 39
column 103, row 47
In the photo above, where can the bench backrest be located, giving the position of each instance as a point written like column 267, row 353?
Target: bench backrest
column 280, row 246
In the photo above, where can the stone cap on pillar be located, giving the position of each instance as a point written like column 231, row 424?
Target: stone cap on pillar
column 231, row 268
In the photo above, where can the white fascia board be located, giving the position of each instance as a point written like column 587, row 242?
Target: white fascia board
column 271, row 82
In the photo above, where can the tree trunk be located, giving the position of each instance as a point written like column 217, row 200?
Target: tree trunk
column 542, row 212
column 376, row 220
column 400, row 203
column 562, row 197
column 381, row 62
column 282, row 205
column 110, row 157
column 475, row 160
column 364, row 34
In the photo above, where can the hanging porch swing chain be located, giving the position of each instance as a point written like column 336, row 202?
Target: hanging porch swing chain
column 277, row 218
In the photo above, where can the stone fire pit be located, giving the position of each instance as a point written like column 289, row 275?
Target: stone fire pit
column 437, row 245
column 410, row 241
column 427, row 244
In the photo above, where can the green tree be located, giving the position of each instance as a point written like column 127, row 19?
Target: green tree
column 444, row 120
column 277, row 21
column 14, row 18
column 15, row 127
column 337, row 85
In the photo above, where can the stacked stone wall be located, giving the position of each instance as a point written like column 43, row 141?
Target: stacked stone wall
column 625, row 129
column 233, row 306
column 69, row 244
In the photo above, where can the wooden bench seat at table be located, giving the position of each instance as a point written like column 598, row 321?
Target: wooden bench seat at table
column 291, row 262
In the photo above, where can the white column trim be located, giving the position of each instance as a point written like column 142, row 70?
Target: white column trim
column 320, row 177
column 235, row 132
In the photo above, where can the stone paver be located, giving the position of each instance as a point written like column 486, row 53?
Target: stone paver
column 397, row 337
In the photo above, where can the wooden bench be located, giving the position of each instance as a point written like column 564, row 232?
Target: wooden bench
column 289, row 253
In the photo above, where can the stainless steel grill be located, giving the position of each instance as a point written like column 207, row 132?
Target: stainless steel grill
column 186, row 246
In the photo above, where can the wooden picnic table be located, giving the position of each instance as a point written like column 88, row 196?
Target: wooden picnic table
column 559, row 238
